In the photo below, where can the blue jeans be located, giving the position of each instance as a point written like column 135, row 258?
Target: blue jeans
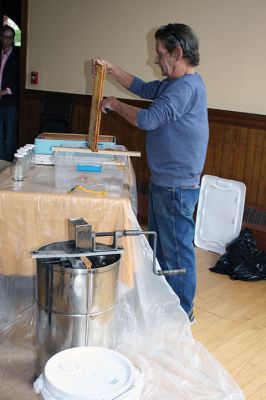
column 171, row 216
column 8, row 132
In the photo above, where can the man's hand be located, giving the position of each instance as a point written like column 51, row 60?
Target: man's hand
column 126, row 111
column 122, row 77
column 109, row 104
column 100, row 61
column 3, row 92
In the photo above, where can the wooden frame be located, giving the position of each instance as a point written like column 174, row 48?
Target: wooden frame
column 73, row 136
column 95, row 114
column 87, row 151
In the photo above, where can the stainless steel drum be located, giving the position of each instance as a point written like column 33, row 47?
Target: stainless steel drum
column 75, row 300
column 74, row 304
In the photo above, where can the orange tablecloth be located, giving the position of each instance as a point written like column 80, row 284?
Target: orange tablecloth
column 34, row 213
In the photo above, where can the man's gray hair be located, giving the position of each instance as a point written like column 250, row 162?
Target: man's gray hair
column 180, row 35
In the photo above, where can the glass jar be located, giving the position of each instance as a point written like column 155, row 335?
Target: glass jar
column 26, row 155
column 30, row 147
column 18, row 167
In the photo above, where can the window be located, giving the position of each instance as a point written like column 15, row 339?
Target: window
column 10, row 22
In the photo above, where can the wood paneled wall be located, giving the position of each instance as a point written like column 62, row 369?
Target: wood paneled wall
column 236, row 147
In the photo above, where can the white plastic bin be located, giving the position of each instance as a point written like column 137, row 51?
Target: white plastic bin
column 94, row 172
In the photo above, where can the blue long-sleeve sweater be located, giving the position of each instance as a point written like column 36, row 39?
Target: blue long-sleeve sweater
column 176, row 125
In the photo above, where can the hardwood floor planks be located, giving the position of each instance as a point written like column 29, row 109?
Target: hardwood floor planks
column 231, row 323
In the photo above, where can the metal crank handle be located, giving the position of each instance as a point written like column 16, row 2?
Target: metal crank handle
column 178, row 271
column 132, row 232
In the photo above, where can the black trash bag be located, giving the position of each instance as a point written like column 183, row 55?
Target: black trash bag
column 242, row 259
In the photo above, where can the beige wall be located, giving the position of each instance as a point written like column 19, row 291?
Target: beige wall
column 64, row 35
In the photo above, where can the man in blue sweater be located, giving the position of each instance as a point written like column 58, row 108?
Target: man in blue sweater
column 176, row 126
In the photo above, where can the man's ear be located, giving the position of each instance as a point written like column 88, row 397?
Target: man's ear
column 178, row 53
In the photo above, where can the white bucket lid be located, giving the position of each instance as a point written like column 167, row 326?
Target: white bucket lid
column 88, row 373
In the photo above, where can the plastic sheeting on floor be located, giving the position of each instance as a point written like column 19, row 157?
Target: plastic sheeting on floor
column 150, row 327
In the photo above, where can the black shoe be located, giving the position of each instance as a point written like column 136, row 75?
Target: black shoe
column 192, row 318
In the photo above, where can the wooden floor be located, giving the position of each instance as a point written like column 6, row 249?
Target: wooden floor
column 231, row 323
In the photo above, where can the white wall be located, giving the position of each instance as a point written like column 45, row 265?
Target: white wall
column 64, row 35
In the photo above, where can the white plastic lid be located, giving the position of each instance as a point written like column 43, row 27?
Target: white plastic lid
column 220, row 212
column 88, row 373
column 18, row 155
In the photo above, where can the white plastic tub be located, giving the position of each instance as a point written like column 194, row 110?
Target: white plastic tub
column 94, row 172
column 89, row 373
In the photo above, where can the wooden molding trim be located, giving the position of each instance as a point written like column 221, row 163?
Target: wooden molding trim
column 224, row 117
column 234, row 118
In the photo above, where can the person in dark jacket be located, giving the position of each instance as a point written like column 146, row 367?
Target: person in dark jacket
column 9, row 93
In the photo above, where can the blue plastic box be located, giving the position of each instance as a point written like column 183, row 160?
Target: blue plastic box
column 44, row 146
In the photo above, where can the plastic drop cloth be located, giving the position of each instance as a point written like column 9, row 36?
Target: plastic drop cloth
column 150, row 327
